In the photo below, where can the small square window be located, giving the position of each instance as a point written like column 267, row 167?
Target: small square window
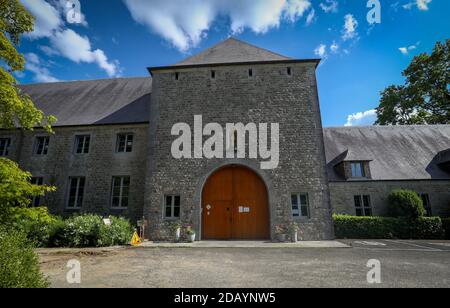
column 41, row 145
column 358, row 170
column 124, row 143
column 172, row 206
column 300, row 205
column 5, row 143
column 82, row 144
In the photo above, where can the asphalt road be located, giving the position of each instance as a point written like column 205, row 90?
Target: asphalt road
column 402, row 264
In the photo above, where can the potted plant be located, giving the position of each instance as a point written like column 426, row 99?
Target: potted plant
column 190, row 233
column 176, row 231
column 293, row 232
column 280, row 233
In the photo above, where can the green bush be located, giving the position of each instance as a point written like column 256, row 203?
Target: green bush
column 19, row 267
column 446, row 226
column 387, row 228
column 405, row 203
column 38, row 225
column 90, row 231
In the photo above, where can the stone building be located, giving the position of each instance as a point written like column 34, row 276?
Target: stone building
column 113, row 149
column 365, row 164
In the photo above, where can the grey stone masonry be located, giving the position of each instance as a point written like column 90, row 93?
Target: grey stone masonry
column 98, row 166
column 342, row 195
column 271, row 95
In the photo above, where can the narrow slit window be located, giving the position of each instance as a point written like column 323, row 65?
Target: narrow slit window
column 289, row 71
column 250, row 72
column 177, row 76
column 213, row 74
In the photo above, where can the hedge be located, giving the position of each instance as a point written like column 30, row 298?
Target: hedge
column 388, row 228
column 446, row 226
column 45, row 230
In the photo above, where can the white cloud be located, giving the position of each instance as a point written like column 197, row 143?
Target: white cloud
column 350, row 26
column 41, row 73
column 311, row 17
column 78, row 49
column 362, row 118
column 321, row 51
column 334, row 47
column 65, row 42
column 47, row 17
column 185, row 23
column 421, row 5
column 330, row 6
column 405, row 50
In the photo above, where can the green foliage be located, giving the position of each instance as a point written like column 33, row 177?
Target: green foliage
column 387, row 228
column 446, row 226
column 19, row 267
column 90, row 231
column 16, row 108
column 36, row 223
column 15, row 187
column 405, row 203
column 425, row 98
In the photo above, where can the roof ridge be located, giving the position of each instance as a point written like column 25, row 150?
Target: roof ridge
column 84, row 80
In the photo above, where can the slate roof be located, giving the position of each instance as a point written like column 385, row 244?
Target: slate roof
column 396, row 152
column 232, row 51
column 94, row 102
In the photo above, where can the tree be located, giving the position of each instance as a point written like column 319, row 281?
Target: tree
column 16, row 108
column 16, row 187
column 425, row 97
column 405, row 203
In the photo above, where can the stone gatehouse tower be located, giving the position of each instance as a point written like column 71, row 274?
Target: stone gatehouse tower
column 111, row 151
column 234, row 82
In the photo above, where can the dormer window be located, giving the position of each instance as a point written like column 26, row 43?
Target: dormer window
column 358, row 170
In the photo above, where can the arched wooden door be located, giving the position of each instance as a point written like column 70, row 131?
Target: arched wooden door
column 235, row 206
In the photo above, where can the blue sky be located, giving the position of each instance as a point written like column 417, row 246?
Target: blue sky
column 121, row 38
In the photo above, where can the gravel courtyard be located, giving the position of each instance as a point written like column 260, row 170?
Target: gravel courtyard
column 403, row 264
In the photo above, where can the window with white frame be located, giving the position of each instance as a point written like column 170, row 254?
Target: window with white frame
column 363, row 206
column 300, row 205
column 172, row 205
column 76, row 192
column 41, row 145
column 124, row 143
column 358, row 170
column 36, row 201
column 120, row 192
column 82, row 143
column 5, row 143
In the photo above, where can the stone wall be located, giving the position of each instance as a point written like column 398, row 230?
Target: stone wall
column 99, row 166
column 342, row 195
column 270, row 96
